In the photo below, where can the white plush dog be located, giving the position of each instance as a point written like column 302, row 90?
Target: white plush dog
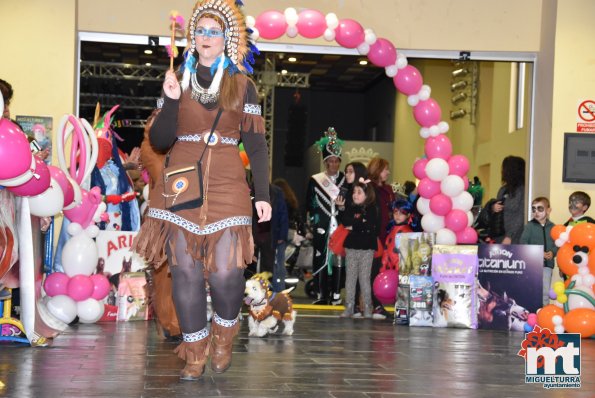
column 268, row 309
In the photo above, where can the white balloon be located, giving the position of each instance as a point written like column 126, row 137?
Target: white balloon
column 559, row 329
column 424, row 92
column 424, row 132
column 62, row 307
column 255, row 34
column 588, row 280
column 291, row 31
column 430, row 222
column 391, row 70
column 443, row 127
column 74, row 229
column 369, row 36
column 79, row 255
column 463, row 201
column 49, row 202
column 452, row 185
column 434, row 130
column 92, row 231
column 413, row 100
column 445, row 236
column 146, row 192
column 471, row 219
column 250, row 21
column 329, row 34
column 291, row 16
column 557, row 320
column 331, row 20
column 1, row 104
column 363, row 48
column 401, row 61
column 89, row 310
column 437, row 169
column 423, row 206
column 560, row 242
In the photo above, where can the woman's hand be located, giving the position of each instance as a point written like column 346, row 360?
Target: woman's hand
column 340, row 201
column 497, row 207
column 171, row 86
column 506, row 241
column 263, row 211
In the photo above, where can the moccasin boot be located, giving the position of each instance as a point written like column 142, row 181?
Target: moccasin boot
column 221, row 346
column 195, row 354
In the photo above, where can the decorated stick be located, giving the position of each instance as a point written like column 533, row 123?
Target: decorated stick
column 177, row 25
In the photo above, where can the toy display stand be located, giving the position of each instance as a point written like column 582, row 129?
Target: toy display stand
column 6, row 320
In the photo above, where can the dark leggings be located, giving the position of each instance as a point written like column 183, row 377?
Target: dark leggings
column 189, row 287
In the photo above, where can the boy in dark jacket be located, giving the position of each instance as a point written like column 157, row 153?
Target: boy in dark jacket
column 538, row 232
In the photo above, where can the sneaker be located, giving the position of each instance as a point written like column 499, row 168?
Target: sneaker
column 5, row 294
column 320, row 302
column 336, row 300
column 357, row 313
column 379, row 313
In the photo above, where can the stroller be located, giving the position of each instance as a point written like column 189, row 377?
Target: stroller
column 299, row 254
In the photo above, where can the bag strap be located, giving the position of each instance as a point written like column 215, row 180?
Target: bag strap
column 208, row 139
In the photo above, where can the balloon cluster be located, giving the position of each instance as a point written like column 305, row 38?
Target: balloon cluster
column 77, row 291
column 444, row 203
column 574, row 309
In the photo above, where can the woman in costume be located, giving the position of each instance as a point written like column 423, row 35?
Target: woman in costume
column 211, row 243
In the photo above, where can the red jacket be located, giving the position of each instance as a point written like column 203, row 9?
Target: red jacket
column 390, row 257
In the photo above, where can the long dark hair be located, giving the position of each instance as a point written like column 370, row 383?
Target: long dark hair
column 359, row 169
column 368, row 190
column 513, row 172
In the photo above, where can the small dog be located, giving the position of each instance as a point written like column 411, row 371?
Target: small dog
column 268, row 309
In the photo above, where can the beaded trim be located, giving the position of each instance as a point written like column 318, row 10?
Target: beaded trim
column 198, row 138
column 160, row 102
column 224, row 322
column 195, row 228
column 196, row 336
column 252, row 109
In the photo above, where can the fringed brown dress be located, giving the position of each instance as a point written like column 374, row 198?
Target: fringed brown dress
column 227, row 203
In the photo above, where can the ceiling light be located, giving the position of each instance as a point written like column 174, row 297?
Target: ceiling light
column 458, row 98
column 459, row 113
column 292, row 59
column 148, row 51
column 363, row 62
column 284, row 72
column 147, row 64
column 458, row 85
column 460, row 72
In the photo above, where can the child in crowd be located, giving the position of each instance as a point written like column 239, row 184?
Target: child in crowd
column 402, row 210
column 538, row 232
column 578, row 204
column 362, row 219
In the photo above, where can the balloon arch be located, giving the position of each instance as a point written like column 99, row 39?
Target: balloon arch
column 444, row 203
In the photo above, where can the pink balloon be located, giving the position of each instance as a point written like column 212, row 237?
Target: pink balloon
column 428, row 188
column 382, row 53
column 458, row 165
column 419, row 168
column 56, row 283
column 14, row 150
column 408, row 80
column 467, row 236
column 440, row 204
column 101, row 286
column 385, row 286
column 80, row 287
column 349, row 33
column 84, row 212
column 311, row 24
column 427, row 113
column 37, row 184
column 456, row 220
column 271, row 24
column 466, row 182
column 438, row 147
column 58, row 175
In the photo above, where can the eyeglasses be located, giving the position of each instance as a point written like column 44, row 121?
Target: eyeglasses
column 537, row 209
column 208, row 32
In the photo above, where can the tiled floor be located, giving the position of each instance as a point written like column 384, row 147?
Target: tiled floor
column 326, row 357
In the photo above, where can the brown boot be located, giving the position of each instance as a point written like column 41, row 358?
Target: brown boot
column 195, row 354
column 221, row 345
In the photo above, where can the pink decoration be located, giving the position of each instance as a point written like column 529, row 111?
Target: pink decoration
column 466, row 182
column 456, row 220
column 101, row 286
column 14, row 150
column 428, row 188
column 408, row 80
column 271, row 24
column 440, row 204
column 58, row 175
column 427, row 113
column 467, row 236
column 385, row 286
column 438, row 147
column 80, row 287
column 382, row 53
column 311, row 24
column 56, row 283
column 349, row 33
column 37, row 184
column 145, row 175
column 458, row 165
column 84, row 212
column 419, row 168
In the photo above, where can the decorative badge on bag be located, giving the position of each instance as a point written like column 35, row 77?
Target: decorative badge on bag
column 179, row 185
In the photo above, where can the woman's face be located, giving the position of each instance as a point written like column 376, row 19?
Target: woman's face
column 210, row 41
column 349, row 174
column 384, row 174
column 359, row 196
column 332, row 165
